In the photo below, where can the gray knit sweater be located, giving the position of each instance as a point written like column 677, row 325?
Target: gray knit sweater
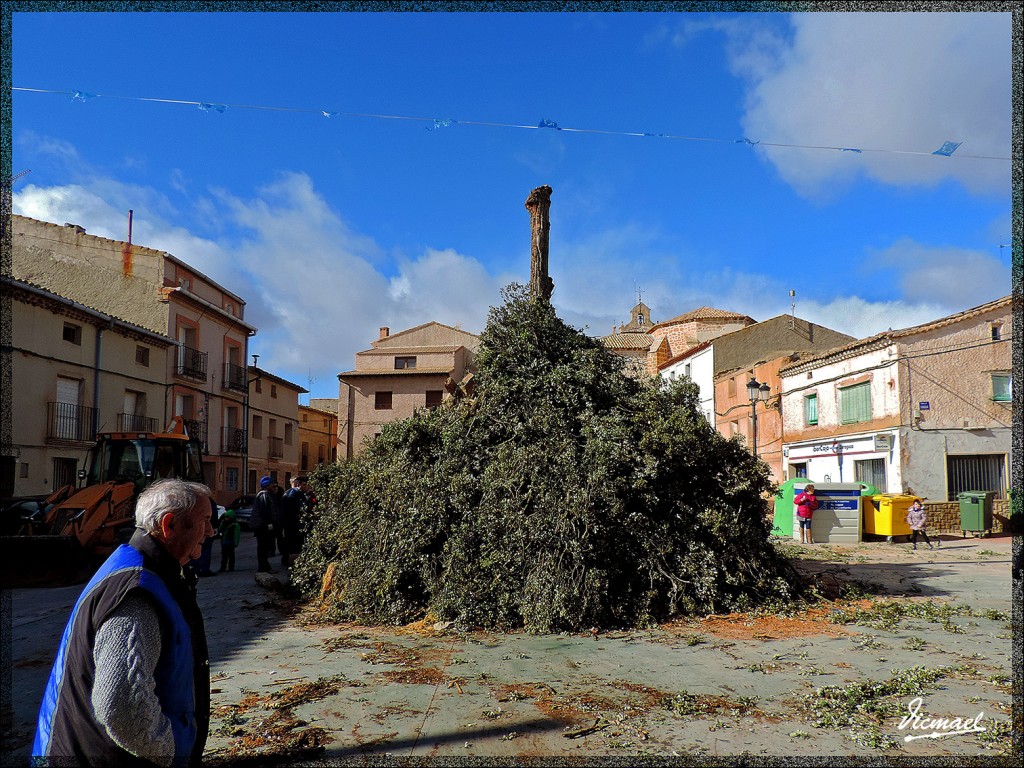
column 124, row 700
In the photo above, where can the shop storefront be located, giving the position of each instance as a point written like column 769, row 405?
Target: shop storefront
column 871, row 459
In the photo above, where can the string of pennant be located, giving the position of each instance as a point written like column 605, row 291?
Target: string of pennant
column 434, row 124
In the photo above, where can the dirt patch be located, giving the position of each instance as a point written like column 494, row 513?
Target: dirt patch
column 751, row 626
column 413, row 676
column 522, row 691
column 648, row 697
column 280, row 736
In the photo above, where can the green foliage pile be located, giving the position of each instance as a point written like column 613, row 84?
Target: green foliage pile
column 562, row 495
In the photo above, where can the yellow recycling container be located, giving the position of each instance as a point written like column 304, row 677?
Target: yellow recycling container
column 887, row 515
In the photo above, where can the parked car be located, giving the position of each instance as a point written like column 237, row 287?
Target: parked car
column 18, row 511
column 243, row 509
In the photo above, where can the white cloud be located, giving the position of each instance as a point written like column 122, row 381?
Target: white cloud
column 893, row 81
column 945, row 276
column 317, row 291
column 311, row 284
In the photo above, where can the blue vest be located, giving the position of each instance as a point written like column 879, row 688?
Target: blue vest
column 66, row 727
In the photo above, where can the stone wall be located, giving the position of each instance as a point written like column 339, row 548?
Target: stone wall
column 944, row 516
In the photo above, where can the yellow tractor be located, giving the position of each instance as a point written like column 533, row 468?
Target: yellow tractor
column 80, row 526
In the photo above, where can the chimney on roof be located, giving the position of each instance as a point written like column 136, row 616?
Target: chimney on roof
column 384, row 332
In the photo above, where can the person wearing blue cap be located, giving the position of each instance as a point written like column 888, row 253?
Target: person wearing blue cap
column 265, row 514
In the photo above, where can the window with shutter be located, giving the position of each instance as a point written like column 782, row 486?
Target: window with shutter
column 811, row 410
column 855, row 403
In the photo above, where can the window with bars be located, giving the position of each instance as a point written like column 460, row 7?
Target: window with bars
column 984, row 472
column 872, row 472
column 855, row 403
column 810, row 410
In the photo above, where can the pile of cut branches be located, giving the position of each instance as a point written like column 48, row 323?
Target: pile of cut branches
column 563, row 495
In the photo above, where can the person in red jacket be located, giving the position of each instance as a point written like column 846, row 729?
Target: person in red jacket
column 806, row 503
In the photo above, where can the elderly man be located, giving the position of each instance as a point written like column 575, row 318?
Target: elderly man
column 131, row 683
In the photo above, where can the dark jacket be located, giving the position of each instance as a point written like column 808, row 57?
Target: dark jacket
column 66, row 728
column 266, row 510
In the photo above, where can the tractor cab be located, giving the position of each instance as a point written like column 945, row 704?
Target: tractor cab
column 141, row 459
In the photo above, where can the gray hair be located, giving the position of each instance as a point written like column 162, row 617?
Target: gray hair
column 175, row 496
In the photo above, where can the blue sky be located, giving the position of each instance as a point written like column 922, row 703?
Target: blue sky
column 330, row 227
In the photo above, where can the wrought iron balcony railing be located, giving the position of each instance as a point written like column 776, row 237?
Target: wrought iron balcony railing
column 132, row 422
column 234, row 377
column 234, row 440
column 197, row 430
column 66, row 421
column 191, row 363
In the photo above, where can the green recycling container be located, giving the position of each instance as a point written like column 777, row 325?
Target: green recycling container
column 975, row 511
column 782, row 521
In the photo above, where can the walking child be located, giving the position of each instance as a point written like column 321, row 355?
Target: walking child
column 917, row 519
column 806, row 503
column 230, row 535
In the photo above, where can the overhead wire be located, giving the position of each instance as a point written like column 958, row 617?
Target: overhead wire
column 946, row 150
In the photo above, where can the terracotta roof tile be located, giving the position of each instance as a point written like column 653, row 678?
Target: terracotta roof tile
column 705, row 313
column 627, row 340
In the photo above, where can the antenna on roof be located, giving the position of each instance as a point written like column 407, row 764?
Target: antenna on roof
column 309, row 380
column 792, row 310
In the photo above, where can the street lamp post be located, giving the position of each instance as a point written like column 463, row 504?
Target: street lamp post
column 756, row 392
column 245, row 420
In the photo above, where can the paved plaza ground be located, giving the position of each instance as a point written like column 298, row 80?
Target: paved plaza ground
column 833, row 680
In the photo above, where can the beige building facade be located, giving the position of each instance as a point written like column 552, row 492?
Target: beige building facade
column 273, row 418
column 318, row 434
column 416, row 368
column 75, row 372
column 206, row 370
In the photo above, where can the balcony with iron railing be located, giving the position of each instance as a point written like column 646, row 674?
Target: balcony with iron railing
column 233, row 440
column 133, row 422
column 234, row 377
column 66, row 422
column 197, row 430
column 275, row 447
column 191, row 363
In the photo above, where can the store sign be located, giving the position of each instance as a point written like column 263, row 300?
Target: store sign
column 883, row 442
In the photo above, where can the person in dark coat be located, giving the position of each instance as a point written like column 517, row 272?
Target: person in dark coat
column 294, row 506
column 265, row 520
column 131, row 682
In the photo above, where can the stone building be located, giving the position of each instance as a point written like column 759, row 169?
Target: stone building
column 651, row 345
column 75, row 371
column 416, row 368
column 632, row 340
column 206, row 373
column 922, row 410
